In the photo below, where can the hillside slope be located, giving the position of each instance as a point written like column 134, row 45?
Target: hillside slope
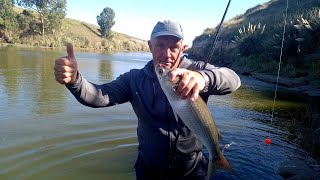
column 269, row 13
column 81, row 34
column 87, row 36
column 250, row 43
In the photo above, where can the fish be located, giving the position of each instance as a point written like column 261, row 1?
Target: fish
column 197, row 117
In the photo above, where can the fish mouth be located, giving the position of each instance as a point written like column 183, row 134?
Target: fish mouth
column 168, row 64
column 160, row 70
column 160, row 65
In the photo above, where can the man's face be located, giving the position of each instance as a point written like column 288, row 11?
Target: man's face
column 166, row 50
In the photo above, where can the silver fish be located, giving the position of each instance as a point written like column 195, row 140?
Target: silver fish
column 197, row 117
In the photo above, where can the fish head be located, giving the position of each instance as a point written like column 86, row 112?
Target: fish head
column 162, row 71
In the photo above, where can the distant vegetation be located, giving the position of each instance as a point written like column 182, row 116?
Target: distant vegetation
column 46, row 15
column 251, row 42
column 43, row 23
column 106, row 21
column 86, row 36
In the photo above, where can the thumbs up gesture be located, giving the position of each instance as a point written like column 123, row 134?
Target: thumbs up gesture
column 66, row 68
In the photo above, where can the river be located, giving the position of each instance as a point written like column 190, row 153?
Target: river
column 46, row 134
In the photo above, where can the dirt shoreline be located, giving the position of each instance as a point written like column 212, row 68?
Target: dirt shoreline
column 296, row 85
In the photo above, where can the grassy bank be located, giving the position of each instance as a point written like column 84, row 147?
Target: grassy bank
column 250, row 43
column 82, row 35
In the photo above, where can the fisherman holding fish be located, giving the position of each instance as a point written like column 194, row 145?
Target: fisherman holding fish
column 168, row 148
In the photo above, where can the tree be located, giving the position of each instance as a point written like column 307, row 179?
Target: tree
column 51, row 12
column 27, row 22
column 105, row 21
column 8, row 21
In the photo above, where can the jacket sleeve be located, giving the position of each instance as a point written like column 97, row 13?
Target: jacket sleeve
column 222, row 80
column 108, row 94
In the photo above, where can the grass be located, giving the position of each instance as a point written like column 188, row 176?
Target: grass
column 256, row 38
column 86, row 36
column 257, row 50
column 83, row 35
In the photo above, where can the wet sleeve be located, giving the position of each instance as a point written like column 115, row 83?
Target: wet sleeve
column 108, row 94
column 221, row 80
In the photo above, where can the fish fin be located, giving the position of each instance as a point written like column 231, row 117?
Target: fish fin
column 219, row 164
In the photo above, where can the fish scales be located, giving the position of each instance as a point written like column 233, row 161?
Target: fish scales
column 197, row 117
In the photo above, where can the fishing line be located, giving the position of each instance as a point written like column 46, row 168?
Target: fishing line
column 210, row 54
column 268, row 139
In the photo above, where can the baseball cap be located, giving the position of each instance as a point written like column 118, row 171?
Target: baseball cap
column 167, row 27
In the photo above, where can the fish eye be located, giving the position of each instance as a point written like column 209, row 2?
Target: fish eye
column 161, row 71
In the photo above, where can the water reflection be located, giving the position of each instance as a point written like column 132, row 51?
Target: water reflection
column 29, row 82
column 245, row 98
column 105, row 70
column 42, row 125
column 10, row 72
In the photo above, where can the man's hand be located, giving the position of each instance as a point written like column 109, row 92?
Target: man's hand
column 66, row 68
column 191, row 83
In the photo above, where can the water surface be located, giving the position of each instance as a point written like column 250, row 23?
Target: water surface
column 46, row 134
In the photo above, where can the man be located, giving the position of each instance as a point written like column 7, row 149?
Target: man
column 161, row 154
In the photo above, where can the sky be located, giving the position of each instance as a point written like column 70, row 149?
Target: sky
column 137, row 17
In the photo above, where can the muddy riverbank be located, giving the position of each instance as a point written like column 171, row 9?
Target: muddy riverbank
column 294, row 85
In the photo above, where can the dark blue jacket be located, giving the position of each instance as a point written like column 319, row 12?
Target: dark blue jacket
column 157, row 126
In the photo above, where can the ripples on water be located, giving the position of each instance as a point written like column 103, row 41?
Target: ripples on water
column 88, row 145
column 46, row 134
column 249, row 156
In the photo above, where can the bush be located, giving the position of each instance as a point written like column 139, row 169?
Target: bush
column 250, row 39
column 308, row 30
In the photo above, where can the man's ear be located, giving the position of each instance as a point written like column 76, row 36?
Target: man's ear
column 184, row 47
column 149, row 44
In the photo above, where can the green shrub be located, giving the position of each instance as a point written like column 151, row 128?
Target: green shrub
column 308, row 30
column 250, row 40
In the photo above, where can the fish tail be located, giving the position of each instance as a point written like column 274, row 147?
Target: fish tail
column 223, row 163
column 219, row 164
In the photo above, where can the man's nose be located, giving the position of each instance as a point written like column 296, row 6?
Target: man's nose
column 167, row 52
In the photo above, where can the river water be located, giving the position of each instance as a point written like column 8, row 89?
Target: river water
column 46, row 134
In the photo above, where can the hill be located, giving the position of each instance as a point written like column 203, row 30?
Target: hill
column 251, row 43
column 85, row 35
column 82, row 35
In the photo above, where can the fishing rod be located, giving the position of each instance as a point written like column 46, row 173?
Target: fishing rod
column 216, row 37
